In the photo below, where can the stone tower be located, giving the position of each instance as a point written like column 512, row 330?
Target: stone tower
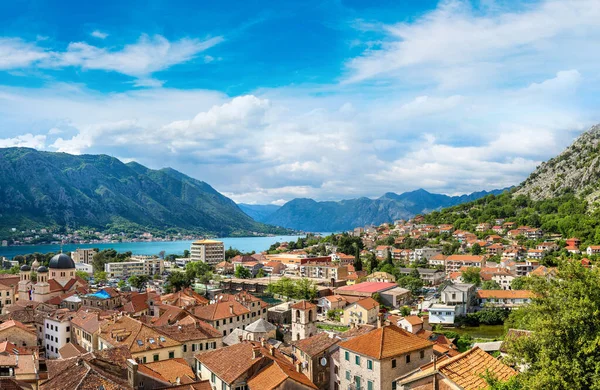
column 25, row 284
column 304, row 317
column 41, row 288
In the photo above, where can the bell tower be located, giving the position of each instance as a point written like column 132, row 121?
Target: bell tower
column 304, row 317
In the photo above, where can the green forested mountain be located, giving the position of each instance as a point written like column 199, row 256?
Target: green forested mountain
column 43, row 189
column 310, row 215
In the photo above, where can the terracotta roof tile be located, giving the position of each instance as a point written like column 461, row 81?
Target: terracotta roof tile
column 316, row 344
column 303, row 305
column 170, row 370
column 385, row 342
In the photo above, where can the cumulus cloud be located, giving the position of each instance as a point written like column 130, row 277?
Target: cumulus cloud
column 24, row 141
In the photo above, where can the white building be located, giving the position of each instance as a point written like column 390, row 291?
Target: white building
column 57, row 332
column 85, row 256
column 124, row 269
column 87, row 268
column 442, row 314
column 425, row 253
column 208, row 251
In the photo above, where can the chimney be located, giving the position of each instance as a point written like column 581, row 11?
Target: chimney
column 231, row 308
column 262, row 342
column 379, row 320
column 272, row 350
column 132, row 370
column 256, row 352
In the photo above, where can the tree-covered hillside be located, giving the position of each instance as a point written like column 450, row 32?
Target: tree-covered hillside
column 43, row 189
column 568, row 215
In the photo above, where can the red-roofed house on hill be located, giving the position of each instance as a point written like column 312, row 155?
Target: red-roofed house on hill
column 390, row 293
column 374, row 360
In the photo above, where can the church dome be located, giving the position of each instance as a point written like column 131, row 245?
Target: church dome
column 25, row 268
column 42, row 270
column 61, row 261
column 35, row 264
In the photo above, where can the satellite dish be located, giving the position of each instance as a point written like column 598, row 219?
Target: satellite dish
column 323, row 361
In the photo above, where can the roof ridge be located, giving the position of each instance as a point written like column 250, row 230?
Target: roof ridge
column 88, row 368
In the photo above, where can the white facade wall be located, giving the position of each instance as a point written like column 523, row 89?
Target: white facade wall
column 56, row 335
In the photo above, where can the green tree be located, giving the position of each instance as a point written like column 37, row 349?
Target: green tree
column 261, row 273
column 414, row 285
column 242, row 273
column 186, row 253
column 562, row 350
column 305, row 289
column 388, row 258
column 358, row 265
column 100, row 276
column 121, row 284
column 200, row 271
column 490, row 285
column 476, row 249
column 472, row 275
column 83, row 275
column 519, row 283
column 138, row 281
column 177, row 281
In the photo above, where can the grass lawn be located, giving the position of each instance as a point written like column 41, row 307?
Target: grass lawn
column 337, row 328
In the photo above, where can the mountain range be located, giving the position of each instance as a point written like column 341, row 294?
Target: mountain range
column 45, row 189
column 331, row 216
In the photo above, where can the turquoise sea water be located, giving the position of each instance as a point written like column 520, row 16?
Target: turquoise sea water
column 244, row 244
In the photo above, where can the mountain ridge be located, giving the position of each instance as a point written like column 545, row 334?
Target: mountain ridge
column 44, row 189
column 321, row 216
column 576, row 169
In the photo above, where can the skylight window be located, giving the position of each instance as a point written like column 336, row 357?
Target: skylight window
column 140, row 343
column 151, row 340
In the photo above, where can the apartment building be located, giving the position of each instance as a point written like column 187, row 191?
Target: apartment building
column 85, row 256
column 455, row 262
column 57, row 332
column 231, row 312
column 374, row 360
column 144, row 343
column 425, row 253
column 323, row 270
column 207, row 251
column 85, row 327
column 152, row 265
column 124, row 269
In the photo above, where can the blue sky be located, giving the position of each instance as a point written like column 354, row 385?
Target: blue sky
column 268, row 101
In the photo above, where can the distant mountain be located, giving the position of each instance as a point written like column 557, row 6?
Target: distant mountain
column 576, row 170
column 310, row 215
column 44, row 189
column 258, row 212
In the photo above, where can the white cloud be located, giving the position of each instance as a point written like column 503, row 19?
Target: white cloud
column 140, row 60
column 460, row 101
column 24, row 141
column 456, row 42
column 16, row 53
column 99, row 34
column 148, row 55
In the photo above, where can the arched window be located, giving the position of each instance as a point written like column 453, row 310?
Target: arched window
column 310, row 316
column 297, row 315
